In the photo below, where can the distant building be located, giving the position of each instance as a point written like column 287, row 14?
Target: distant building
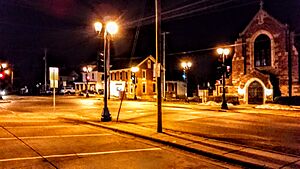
column 120, row 79
column 264, row 52
column 175, row 89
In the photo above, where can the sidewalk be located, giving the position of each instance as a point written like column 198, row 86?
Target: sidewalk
column 223, row 151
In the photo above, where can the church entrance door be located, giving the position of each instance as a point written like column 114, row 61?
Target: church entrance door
column 255, row 93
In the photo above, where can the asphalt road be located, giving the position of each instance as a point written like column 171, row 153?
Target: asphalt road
column 34, row 135
column 246, row 126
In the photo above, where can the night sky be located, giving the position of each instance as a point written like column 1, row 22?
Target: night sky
column 65, row 28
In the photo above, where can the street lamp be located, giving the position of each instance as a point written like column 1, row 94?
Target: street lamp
column 186, row 67
column 223, row 53
column 87, row 70
column 110, row 28
column 134, row 70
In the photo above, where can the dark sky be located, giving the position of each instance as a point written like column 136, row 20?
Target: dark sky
column 65, row 28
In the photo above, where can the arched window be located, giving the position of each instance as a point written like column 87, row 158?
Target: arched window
column 262, row 51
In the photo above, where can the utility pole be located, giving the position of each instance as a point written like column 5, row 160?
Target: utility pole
column 158, row 62
column 164, row 64
column 45, row 59
column 108, row 65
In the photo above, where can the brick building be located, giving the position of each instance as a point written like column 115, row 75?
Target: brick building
column 120, row 79
column 265, row 63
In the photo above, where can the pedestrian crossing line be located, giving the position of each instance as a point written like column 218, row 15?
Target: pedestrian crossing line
column 79, row 154
column 59, row 136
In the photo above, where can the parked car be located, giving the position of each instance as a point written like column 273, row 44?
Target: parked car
column 67, row 90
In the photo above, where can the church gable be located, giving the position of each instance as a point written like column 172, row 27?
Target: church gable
column 263, row 21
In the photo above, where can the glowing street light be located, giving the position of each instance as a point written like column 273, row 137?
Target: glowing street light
column 110, row 28
column 186, row 67
column 223, row 52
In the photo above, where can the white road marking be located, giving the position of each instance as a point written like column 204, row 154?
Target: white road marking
column 60, row 136
column 79, row 154
column 52, row 126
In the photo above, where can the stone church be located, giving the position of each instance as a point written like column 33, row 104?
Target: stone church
column 265, row 64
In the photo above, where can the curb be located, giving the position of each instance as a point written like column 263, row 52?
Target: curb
column 184, row 147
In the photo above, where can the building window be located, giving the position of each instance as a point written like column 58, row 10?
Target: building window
column 149, row 64
column 93, row 76
column 115, row 76
column 111, row 76
column 154, row 87
column 144, row 88
column 121, row 75
column 131, row 88
column 173, row 87
column 144, row 74
column 262, row 51
column 126, row 75
column 102, row 77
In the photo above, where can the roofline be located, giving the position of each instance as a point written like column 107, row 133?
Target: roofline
column 150, row 57
column 259, row 12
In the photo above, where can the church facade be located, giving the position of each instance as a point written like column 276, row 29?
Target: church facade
column 265, row 64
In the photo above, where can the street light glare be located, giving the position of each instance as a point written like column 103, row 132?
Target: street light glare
column 7, row 72
column 183, row 64
column 112, row 28
column 220, row 51
column 189, row 64
column 84, row 69
column 90, row 69
column 134, row 69
column 226, row 51
column 98, row 26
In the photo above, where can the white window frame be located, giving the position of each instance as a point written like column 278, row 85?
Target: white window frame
column 144, row 71
column 149, row 64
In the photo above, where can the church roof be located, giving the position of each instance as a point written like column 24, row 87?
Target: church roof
column 262, row 14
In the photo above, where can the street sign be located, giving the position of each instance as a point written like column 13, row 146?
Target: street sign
column 53, row 74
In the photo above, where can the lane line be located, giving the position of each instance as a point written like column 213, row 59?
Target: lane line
column 80, row 154
column 57, row 126
column 60, row 136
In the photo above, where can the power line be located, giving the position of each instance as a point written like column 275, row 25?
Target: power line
column 204, row 49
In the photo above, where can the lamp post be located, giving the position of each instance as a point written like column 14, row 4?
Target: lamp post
column 87, row 70
column 134, row 70
column 186, row 67
column 110, row 28
column 223, row 53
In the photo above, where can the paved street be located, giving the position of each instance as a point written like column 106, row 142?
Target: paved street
column 33, row 135
column 252, row 127
column 261, row 129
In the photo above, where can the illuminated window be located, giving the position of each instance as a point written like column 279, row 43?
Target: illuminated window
column 154, row 87
column 149, row 64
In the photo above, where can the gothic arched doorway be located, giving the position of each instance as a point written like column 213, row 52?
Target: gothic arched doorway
column 255, row 93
